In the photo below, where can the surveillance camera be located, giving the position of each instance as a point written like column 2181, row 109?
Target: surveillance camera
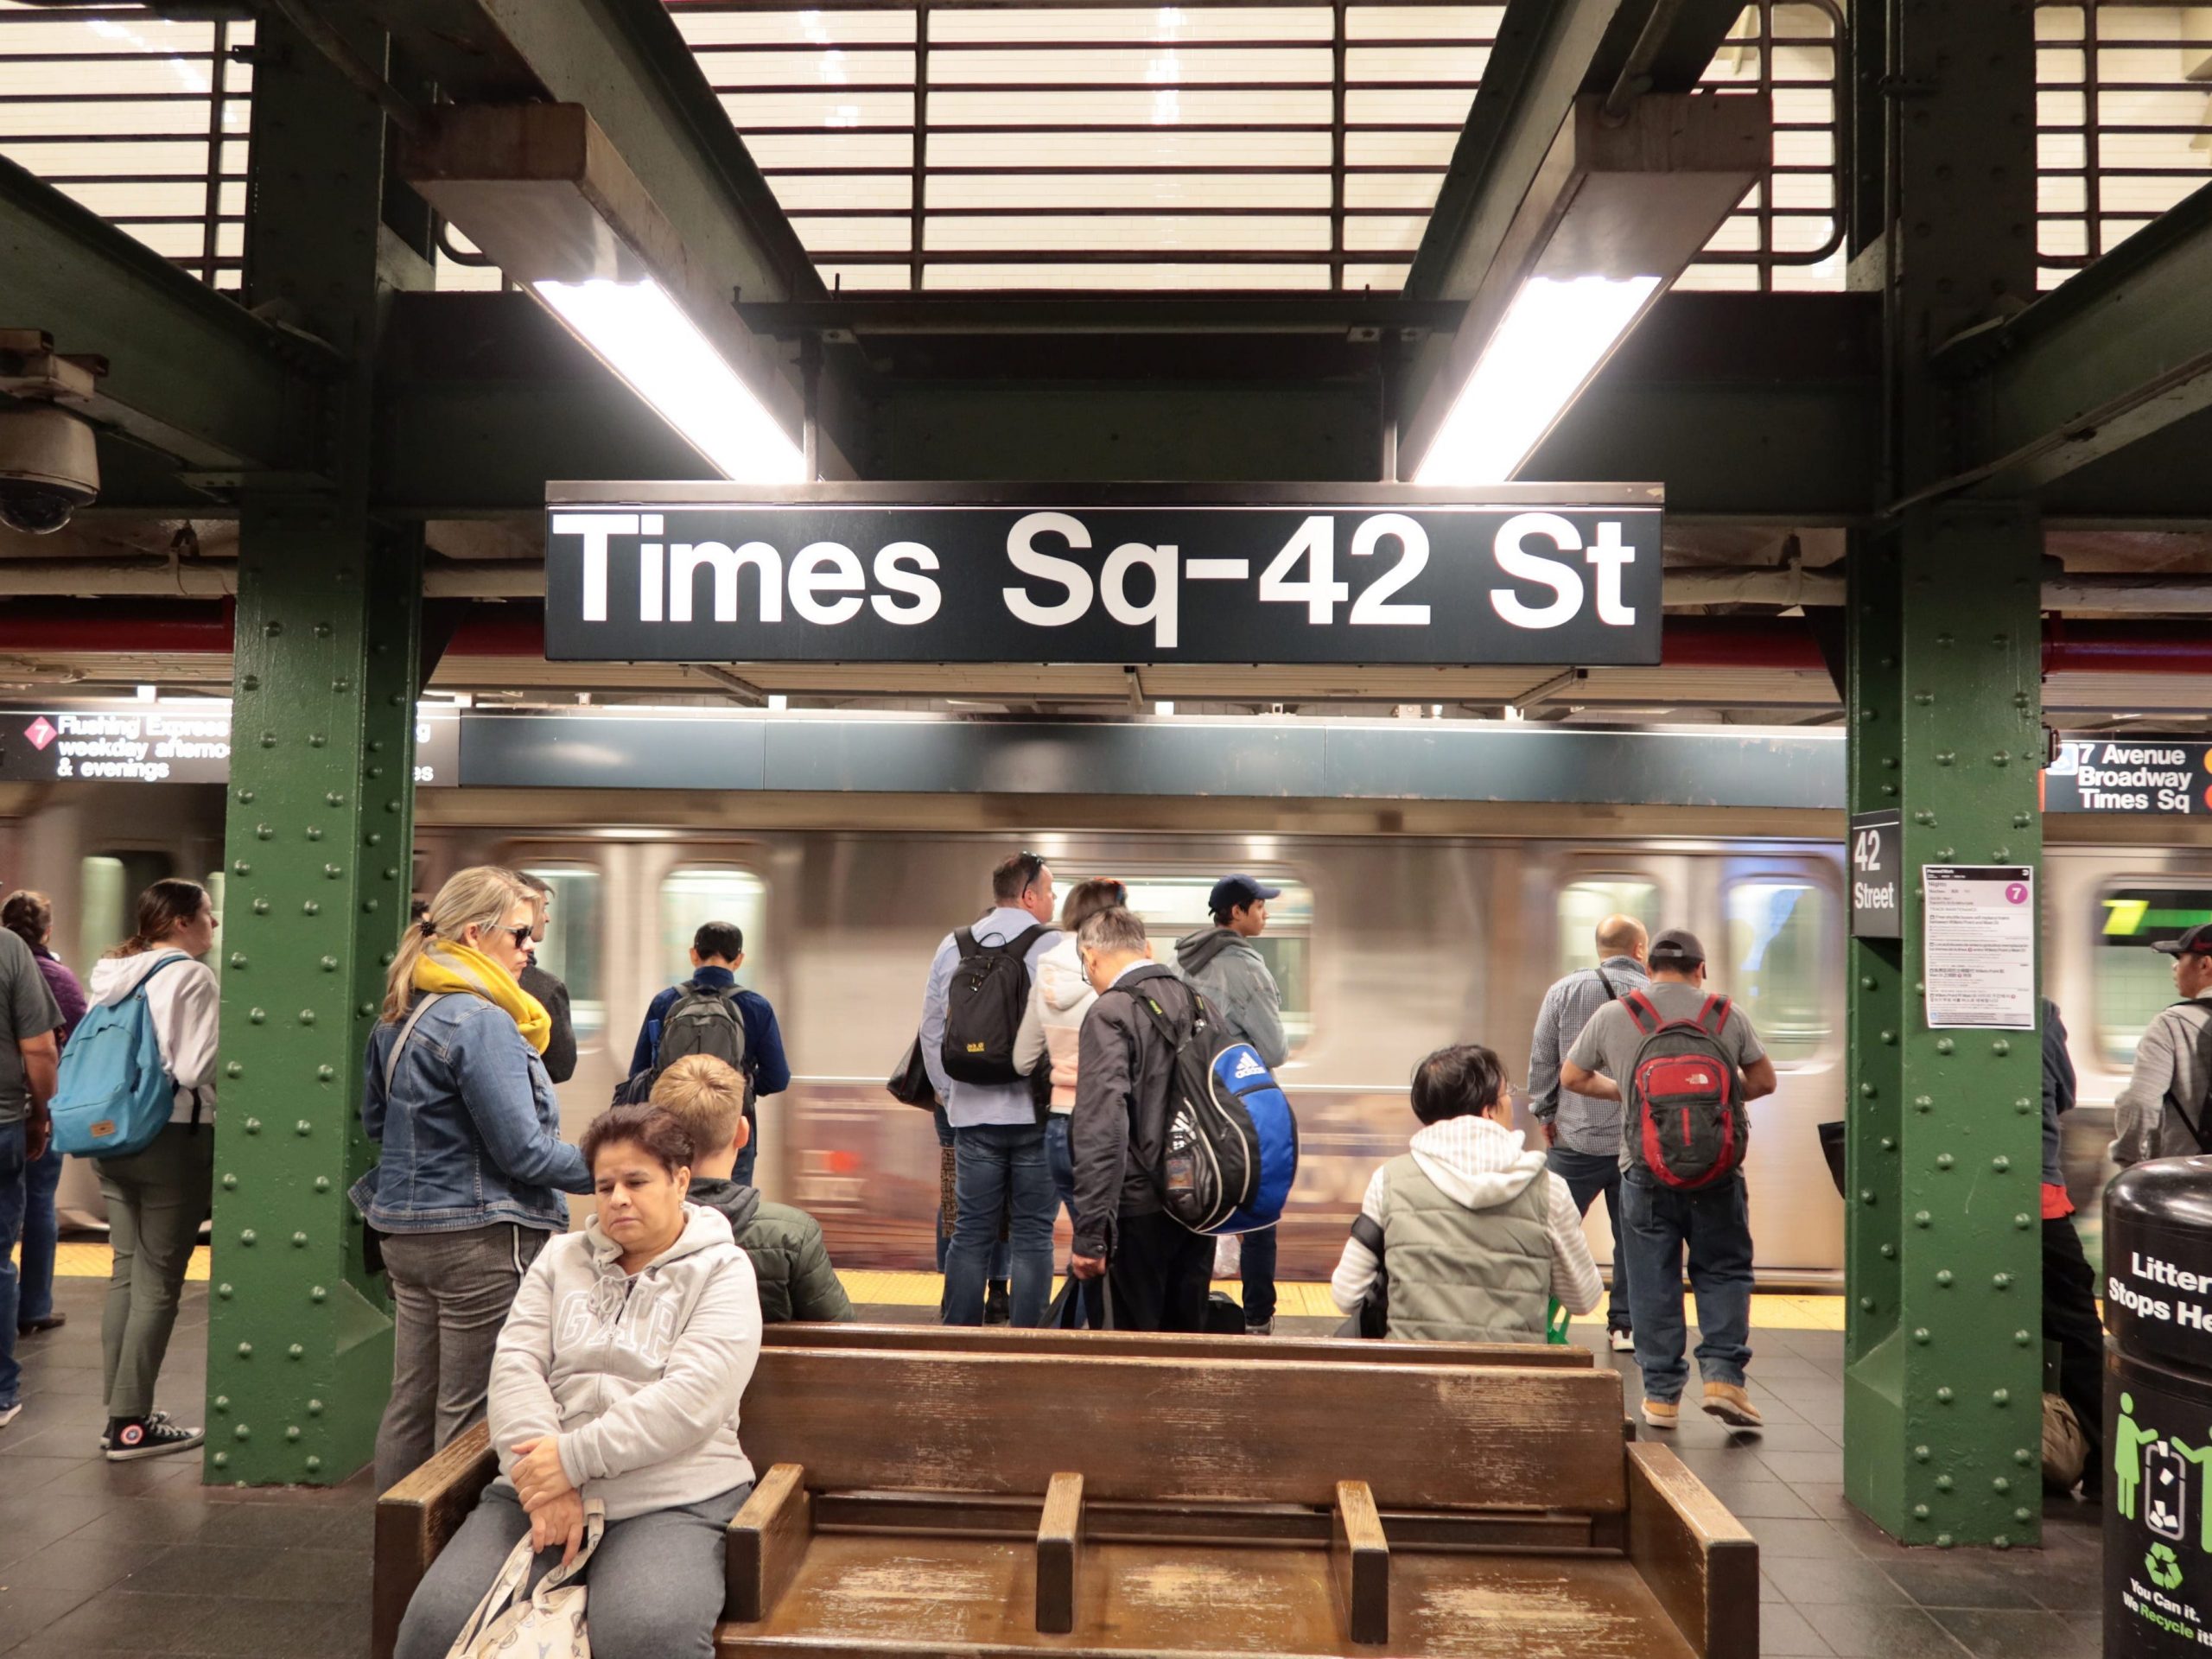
column 49, row 468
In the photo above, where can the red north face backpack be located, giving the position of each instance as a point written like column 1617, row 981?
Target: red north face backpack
column 1685, row 1100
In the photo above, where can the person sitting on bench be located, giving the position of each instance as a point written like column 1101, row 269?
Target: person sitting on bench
column 1475, row 1235
column 616, row 1382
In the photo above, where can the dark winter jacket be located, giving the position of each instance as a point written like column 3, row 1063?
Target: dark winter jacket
column 789, row 1258
column 1233, row 975
column 560, row 1056
column 1124, row 1070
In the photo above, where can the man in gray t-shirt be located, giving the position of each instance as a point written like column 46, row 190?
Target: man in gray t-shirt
column 28, row 1018
column 1658, row 1222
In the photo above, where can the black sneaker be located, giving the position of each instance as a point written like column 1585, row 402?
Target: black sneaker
column 156, row 1436
column 998, row 1308
column 107, row 1434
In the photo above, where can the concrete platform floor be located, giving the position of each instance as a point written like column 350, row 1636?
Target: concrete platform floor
column 99, row 1558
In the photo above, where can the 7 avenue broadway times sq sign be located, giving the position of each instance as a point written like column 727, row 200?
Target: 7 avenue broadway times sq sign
column 1334, row 575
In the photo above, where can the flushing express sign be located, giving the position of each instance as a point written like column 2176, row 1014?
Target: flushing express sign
column 1141, row 575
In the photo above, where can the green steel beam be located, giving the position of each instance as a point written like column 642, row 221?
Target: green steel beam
column 1943, row 1345
column 191, row 375
column 319, row 838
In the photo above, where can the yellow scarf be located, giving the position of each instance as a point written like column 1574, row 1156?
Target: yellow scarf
column 448, row 965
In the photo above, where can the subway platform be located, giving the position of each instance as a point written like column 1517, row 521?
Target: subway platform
column 140, row 1558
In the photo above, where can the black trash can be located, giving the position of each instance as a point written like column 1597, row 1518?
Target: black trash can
column 2157, row 1531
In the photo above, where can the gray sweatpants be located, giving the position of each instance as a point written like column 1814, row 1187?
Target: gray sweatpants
column 450, row 1294
column 156, row 1200
column 655, row 1583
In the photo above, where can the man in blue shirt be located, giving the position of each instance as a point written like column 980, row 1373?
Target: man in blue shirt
column 998, row 1139
column 717, row 952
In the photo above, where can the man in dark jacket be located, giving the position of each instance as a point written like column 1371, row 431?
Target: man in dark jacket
column 2069, row 1288
column 790, row 1262
column 560, row 1054
column 1156, row 1268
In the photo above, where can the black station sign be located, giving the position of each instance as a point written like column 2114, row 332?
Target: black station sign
column 2136, row 775
column 1302, row 583
column 1877, row 874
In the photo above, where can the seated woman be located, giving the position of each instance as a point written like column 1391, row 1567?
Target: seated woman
column 617, row 1378
column 1477, row 1236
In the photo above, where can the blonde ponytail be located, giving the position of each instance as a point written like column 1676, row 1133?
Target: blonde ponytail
column 479, row 897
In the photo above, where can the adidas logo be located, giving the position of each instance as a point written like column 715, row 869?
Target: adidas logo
column 1248, row 1065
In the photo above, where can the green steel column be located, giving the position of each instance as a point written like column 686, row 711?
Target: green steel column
column 319, row 840
column 1943, row 1429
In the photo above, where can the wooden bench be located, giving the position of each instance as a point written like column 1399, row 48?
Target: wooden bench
column 989, row 1494
column 1006, row 1339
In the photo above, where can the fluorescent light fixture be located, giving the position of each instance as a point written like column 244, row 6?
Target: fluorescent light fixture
column 1553, row 337
column 1164, row 706
column 640, row 333
column 1616, row 213
column 538, row 187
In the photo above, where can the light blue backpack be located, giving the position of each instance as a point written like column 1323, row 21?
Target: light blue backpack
column 114, row 1096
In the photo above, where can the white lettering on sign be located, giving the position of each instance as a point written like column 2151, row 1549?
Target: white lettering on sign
column 596, row 529
column 1865, row 895
column 1021, row 548
column 1514, row 560
column 892, row 571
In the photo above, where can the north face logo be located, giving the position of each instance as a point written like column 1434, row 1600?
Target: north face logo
column 1699, row 1080
column 1248, row 1065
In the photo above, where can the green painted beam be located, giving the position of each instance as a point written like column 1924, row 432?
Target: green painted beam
column 318, row 840
column 192, row 376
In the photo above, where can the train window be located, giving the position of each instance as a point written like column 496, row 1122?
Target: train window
column 108, row 886
column 2133, row 982
column 571, row 951
column 1583, row 905
column 712, row 893
column 1778, row 951
column 1172, row 906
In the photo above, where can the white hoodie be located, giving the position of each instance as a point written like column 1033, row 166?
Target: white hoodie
column 1058, row 998
column 1478, row 1163
column 640, row 1375
column 184, row 1003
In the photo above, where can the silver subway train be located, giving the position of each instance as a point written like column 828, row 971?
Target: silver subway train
column 1404, row 926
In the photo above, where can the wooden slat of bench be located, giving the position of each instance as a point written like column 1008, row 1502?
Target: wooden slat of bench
column 1702, row 1564
column 1359, row 1562
column 1224, row 1430
column 1060, row 1554
column 1171, row 1345
column 875, row 1598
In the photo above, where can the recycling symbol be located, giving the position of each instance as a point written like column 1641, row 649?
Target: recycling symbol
column 2164, row 1570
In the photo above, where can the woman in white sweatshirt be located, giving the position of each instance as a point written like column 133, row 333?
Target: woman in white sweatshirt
column 616, row 1381
column 156, row 1198
column 1475, row 1236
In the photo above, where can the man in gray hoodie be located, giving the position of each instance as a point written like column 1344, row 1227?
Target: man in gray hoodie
column 1221, row 961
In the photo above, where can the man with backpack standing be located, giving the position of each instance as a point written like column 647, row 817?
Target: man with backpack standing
column 1585, row 1134
column 708, row 1013
column 1221, row 964
column 2164, row 1111
column 971, row 1015
column 28, row 1018
column 1686, row 1064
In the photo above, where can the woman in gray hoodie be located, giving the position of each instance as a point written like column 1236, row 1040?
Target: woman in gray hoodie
column 617, row 1380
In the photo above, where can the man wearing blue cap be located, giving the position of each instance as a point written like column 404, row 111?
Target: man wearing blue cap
column 1221, row 962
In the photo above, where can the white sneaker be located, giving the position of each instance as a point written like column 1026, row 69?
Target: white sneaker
column 8, row 1414
column 1623, row 1341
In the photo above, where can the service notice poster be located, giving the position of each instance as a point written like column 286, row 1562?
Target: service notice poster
column 1979, row 965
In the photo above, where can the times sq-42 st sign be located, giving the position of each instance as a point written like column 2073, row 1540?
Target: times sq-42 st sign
column 1341, row 575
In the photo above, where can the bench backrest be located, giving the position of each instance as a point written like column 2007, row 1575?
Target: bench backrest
column 1200, row 1429
column 1006, row 1339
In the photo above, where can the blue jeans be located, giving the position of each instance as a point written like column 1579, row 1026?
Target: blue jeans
column 42, row 1233
column 1001, row 1166
column 1000, row 1265
column 1587, row 1175
column 14, row 1191
column 1061, row 1156
column 1657, row 1223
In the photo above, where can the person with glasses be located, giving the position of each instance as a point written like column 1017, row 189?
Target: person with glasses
column 157, row 1196
column 1000, row 1157
column 468, row 1189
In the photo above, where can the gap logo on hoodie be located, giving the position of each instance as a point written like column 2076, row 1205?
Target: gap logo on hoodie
column 639, row 1317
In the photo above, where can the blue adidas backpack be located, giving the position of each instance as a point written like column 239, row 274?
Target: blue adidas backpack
column 114, row 1096
column 1231, row 1149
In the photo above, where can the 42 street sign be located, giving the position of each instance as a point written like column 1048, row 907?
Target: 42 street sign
column 1324, row 574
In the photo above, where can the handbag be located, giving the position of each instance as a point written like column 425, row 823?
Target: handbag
column 549, row 1622
column 910, row 1084
column 1081, row 1303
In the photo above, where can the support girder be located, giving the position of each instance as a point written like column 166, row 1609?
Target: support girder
column 193, row 376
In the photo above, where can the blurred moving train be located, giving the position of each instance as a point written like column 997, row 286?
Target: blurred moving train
column 1403, row 925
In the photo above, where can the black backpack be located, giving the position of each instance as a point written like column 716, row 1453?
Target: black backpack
column 701, row 1020
column 983, row 1006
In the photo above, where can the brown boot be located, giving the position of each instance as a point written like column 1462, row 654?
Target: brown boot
column 1732, row 1406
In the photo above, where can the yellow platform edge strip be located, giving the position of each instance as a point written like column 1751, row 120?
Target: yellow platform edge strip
column 881, row 1289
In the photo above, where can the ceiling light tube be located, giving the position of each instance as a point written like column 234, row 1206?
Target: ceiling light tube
column 539, row 188
column 1616, row 214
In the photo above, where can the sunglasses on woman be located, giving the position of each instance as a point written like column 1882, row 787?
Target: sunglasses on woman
column 520, row 934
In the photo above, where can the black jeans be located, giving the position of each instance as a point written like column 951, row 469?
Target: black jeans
column 2069, row 1319
column 1257, row 1252
column 1162, row 1275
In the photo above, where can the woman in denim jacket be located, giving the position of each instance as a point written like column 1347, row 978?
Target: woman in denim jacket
column 469, row 1187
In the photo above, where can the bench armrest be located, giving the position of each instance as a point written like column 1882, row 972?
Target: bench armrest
column 1698, row 1560
column 414, row 1521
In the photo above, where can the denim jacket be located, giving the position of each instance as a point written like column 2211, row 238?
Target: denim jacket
column 470, row 1127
